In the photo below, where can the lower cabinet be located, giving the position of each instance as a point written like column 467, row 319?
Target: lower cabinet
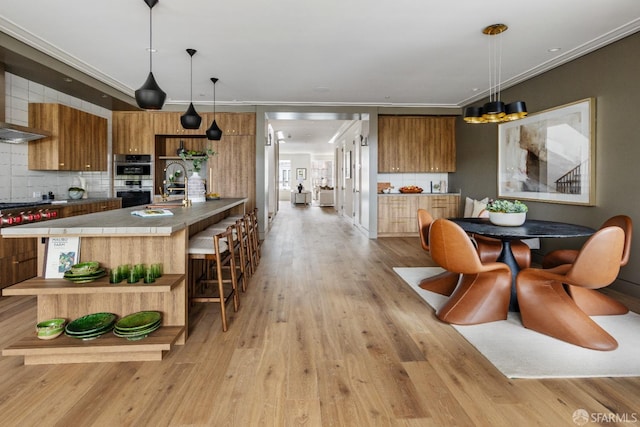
column 397, row 215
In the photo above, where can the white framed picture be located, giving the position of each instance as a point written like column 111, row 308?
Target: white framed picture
column 61, row 254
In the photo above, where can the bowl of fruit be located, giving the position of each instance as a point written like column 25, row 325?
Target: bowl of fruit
column 212, row 196
column 410, row 189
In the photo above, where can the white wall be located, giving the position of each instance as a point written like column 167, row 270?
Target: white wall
column 18, row 183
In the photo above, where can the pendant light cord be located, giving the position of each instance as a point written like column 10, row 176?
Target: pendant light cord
column 150, row 39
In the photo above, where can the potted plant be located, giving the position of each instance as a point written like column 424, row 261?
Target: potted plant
column 197, row 157
column 196, row 191
column 507, row 212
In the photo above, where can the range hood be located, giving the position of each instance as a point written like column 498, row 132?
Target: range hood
column 15, row 134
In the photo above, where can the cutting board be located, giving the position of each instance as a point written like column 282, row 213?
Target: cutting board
column 383, row 186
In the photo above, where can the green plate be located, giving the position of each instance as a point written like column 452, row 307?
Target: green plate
column 91, row 323
column 138, row 335
column 144, row 331
column 69, row 275
column 139, row 320
column 84, row 267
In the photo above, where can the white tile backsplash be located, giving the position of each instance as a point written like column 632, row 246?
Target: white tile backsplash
column 20, row 183
column 423, row 180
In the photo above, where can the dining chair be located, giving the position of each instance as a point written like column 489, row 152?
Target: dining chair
column 445, row 282
column 484, row 289
column 545, row 305
column 591, row 301
column 490, row 248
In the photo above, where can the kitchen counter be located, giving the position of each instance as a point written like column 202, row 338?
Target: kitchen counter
column 120, row 222
column 114, row 238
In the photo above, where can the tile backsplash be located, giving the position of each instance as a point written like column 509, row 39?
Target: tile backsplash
column 423, row 180
column 23, row 185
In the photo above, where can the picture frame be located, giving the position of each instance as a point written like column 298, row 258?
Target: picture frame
column 301, row 173
column 61, row 253
column 549, row 156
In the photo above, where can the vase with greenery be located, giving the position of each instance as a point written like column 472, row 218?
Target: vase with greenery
column 196, row 189
column 507, row 212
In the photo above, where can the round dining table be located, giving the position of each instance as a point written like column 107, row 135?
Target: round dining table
column 532, row 228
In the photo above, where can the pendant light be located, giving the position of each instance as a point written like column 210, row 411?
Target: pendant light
column 150, row 96
column 214, row 133
column 495, row 110
column 191, row 119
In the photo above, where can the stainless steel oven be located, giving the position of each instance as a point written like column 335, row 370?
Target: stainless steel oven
column 129, row 165
column 134, row 197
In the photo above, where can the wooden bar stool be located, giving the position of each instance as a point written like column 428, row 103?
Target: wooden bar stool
column 213, row 262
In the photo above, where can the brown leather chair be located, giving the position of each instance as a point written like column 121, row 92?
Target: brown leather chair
column 592, row 302
column 545, row 305
column 443, row 283
column 483, row 291
column 489, row 250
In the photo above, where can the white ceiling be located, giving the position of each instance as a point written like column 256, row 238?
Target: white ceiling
column 331, row 52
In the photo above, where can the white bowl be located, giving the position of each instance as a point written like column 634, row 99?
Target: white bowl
column 75, row 194
column 508, row 219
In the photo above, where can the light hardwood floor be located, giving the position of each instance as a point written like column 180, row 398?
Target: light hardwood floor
column 326, row 335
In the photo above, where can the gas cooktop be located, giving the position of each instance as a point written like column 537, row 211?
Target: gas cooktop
column 14, row 205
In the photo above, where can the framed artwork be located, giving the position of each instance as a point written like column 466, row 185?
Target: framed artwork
column 301, row 173
column 61, row 254
column 549, row 156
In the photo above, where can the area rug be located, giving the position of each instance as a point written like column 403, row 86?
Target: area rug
column 522, row 353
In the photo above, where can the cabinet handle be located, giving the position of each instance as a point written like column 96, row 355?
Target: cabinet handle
column 25, row 260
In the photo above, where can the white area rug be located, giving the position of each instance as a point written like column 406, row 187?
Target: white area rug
column 522, row 353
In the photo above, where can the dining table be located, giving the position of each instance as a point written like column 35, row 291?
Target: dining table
column 532, row 228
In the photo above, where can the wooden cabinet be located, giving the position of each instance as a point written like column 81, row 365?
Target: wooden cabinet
column 83, row 208
column 416, row 144
column 18, row 260
column 232, row 124
column 78, row 140
column 397, row 215
column 132, row 132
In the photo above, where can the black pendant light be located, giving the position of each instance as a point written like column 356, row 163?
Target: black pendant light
column 191, row 119
column 495, row 110
column 214, row 133
column 150, row 96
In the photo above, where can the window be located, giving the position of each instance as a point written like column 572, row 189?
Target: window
column 284, row 174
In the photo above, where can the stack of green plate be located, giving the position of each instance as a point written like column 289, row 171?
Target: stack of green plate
column 138, row 325
column 91, row 326
column 85, row 272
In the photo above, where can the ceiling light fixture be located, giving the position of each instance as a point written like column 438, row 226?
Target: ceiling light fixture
column 214, row 133
column 495, row 110
column 191, row 119
column 150, row 96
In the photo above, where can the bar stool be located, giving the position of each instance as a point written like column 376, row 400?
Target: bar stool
column 255, row 235
column 216, row 257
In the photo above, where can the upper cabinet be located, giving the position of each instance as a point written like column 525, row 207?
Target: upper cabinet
column 416, row 144
column 78, row 140
column 232, row 124
column 132, row 132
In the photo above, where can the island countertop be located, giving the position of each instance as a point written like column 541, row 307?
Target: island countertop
column 121, row 222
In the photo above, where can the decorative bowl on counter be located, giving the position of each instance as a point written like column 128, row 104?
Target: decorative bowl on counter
column 410, row 189
column 76, row 193
column 50, row 329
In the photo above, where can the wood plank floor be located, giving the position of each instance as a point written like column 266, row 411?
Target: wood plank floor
column 326, row 335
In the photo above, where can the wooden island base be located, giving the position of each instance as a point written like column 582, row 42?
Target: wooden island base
column 114, row 238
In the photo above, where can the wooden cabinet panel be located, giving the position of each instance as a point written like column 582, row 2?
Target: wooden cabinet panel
column 397, row 215
column 168, row 123
column 132, row 132
column 416, row 144
column 78, row 141
column 18, row 260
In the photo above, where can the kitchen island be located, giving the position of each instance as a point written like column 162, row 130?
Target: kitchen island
column 113, row 238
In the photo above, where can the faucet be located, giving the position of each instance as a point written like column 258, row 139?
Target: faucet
column 185, row 200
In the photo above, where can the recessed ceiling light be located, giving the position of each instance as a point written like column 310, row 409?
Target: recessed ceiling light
column 152, row 50
column 68, row 79
column 554, row 49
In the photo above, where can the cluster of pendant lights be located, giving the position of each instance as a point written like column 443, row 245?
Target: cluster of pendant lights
column 495, row 110
column 151, row 97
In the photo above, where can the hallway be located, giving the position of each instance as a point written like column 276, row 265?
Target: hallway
column 326, row 334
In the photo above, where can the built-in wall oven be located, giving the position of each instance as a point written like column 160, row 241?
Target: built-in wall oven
column 133, row 179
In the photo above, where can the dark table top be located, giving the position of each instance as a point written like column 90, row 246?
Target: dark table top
column 530, row 229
